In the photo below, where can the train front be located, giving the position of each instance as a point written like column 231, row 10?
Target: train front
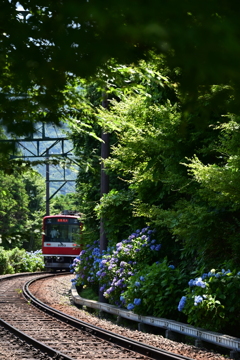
column 60, row 241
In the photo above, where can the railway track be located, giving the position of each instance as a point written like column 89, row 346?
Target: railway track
column 12, row 347
column 61, row 336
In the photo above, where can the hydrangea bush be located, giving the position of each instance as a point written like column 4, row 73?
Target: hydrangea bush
column 113, row 269
column 33, row 261
column 131, row 275
column 155, row 290
column 85, row 266
column 212, row 301
column 123, row 261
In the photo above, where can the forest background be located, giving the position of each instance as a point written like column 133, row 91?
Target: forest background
column 170, row 74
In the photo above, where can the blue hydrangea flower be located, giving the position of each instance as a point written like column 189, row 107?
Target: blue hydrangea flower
column 200, row 283
column 142, row 278
column 182, row 303
column 211, row 274
column 130, row 306
column 192, row 282
column 225, row 272
column 137, row 301
column 198, row 299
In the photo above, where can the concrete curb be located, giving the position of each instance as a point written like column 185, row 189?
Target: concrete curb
column 226, row 341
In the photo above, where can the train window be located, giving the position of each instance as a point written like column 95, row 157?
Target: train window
column 62, row 232
column 74, row 233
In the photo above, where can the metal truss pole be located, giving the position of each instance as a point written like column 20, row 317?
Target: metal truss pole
column 38, row 153
column 47, row 187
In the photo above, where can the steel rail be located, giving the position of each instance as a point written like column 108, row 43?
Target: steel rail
column 26, row 338
column 36, row 344
column 138, row 347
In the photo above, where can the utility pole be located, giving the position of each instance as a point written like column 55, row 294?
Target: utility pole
column 104, row 176
column 104, row 186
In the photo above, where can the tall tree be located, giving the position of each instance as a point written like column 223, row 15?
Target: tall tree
column 13, row 210
column 74, row 38
column 183, row 176
column 36, row 191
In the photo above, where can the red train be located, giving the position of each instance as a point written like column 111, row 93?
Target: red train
column 60, row 240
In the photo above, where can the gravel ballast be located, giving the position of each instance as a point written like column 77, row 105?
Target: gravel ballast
column 56, row 293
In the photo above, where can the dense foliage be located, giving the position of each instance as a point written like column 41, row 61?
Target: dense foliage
column 19, row 260
column 60, row 41
column 155, row 290
column 130, row 275
column 163, row 168
column 21, row 208
column 174, row 124
column 211, row 301
column 177, row 173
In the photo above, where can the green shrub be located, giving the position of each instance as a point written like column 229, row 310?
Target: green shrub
column 212, row 301
column 15, row 257
column 155, row 290
column 19, row 260
column 3, row 261
column 33, row 261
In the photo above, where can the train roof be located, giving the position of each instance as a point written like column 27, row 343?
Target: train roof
column 65, row 213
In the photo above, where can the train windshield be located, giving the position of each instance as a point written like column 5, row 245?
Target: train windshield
column 63, row 232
